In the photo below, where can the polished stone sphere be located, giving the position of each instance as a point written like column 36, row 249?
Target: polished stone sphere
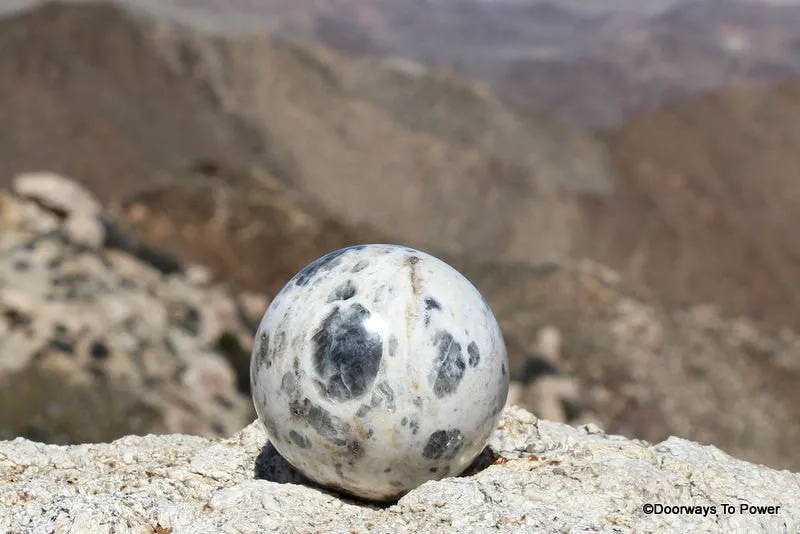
column 377, row 368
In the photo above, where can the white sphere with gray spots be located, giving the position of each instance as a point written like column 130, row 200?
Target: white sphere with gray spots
column 378, row 368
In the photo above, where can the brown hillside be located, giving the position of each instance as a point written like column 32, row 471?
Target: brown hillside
column 249, row 229
column 708, row 203
column 81, row 95
column 111, row 97
column 592, row 66
column 369, row 163
column 650, row 371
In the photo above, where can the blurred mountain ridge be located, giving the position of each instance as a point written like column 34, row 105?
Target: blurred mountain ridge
column 593, row 64
column 338, row 130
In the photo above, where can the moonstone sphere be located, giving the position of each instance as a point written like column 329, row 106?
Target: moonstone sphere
column 377, row 368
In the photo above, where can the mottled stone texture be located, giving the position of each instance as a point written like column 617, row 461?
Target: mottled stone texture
column 377, row 368
column 102, row 336
column 546, row 477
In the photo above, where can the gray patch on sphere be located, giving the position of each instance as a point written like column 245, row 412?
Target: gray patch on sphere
column 279, row 343
column 500, row 403
column 346, row 356
column 443, row 444
column 474, row 354
column 360, row 266
column 413, row 425
column 260, row 396
column 328, row 426
column 299, row 439
column 431, row 305
column 289, row 383
column 392, row 345
column 382, row 395
column 355, row 448
column 263, row 351
column 272, row 430
column 449, row 365
column 318, row 266
column 345, row 291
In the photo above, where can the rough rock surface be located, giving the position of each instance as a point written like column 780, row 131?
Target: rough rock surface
column 543, row 477
column 100, row 336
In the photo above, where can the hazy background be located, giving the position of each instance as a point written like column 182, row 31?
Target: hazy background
column 621, row 179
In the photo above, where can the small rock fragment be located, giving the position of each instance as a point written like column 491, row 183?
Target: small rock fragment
column 56, row 193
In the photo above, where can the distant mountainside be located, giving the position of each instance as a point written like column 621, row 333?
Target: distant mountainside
column 707, row 203
column 112, row 97
column 592, row 64
column 85, row 96
column 703, row 208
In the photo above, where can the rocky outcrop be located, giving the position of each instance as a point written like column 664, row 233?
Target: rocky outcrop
column 538, row 477
column 707, row 202
column 101, row 336
column 645, row 369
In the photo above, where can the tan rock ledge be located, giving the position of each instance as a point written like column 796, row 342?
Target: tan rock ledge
column 549, row 477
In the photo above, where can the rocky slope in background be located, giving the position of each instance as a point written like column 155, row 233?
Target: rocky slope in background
column 375, row 144
column 375, row 163
column 593, row 64
column 583, row 345
column 85, row 97
column 307, row 117
column 248, row 228
column 100, row 335
column 631, row 65
column 545, row 477
column 707, row 203
column 648, row 370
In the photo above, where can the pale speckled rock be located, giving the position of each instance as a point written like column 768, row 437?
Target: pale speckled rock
column 56, row 192
column 548, row 478
column 377, row 368
column 85, row 230
column 77, row 207
column 542, row 388
column 94, row 315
